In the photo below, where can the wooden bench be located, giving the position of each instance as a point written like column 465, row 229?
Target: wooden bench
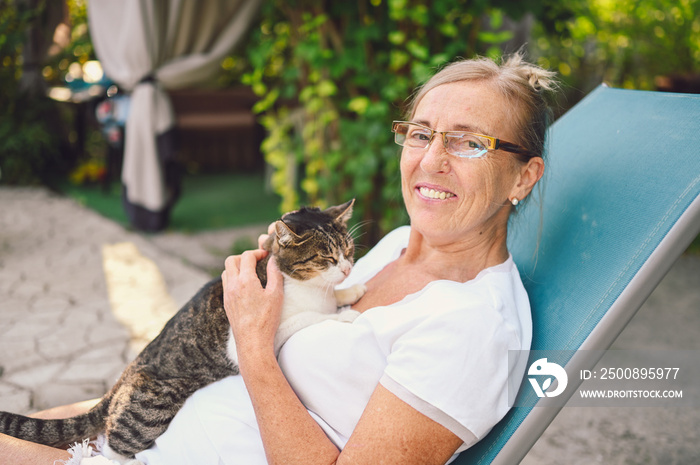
column 217, row 129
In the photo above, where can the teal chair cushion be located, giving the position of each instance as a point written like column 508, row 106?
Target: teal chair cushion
column 622, row 169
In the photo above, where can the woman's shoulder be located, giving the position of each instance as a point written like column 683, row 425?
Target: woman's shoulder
column 492, row 284
column 495, row 301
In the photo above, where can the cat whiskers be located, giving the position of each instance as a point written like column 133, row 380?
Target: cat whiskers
column 329, row 287
column 355, row 228
column 353, row 235
column 360, row 247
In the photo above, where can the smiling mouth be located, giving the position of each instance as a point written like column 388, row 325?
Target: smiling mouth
column 433, row 194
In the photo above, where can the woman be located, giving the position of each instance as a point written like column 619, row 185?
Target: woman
column 422, row 373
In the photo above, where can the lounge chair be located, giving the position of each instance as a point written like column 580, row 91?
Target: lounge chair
column 621, row 203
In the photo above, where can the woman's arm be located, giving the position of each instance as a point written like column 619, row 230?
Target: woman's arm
column 19, row 452
column 392, row 432
column 66, row 411
column 389, row 431
column 289, row 433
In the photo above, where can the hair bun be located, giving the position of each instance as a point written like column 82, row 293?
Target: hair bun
column 540, row 79
column 535, row 82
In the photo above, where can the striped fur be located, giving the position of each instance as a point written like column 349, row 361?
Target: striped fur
column 191, row 350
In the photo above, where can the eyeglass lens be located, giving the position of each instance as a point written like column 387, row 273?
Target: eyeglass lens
column 461, row 144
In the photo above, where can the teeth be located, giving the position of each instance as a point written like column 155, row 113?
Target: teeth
column 433, row 194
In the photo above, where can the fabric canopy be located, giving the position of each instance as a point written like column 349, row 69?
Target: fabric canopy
column 146, row 47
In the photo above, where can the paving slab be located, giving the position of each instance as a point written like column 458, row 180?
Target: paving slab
column 59, row 339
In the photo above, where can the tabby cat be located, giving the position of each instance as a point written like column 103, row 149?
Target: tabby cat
column 314, row 252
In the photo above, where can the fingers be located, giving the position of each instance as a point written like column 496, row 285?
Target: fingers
column 232, row 263
column 242, row 266
column 262, row 239
column 249, row 260
column 275, row 280
column 252, row 311
column 231, row 266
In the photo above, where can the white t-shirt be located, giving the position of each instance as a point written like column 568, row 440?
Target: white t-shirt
column 443, row 350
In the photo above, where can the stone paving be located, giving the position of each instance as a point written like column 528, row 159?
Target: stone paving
column 61, row 337
column 70, row 280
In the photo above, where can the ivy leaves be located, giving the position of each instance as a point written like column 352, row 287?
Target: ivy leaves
column 332, row 76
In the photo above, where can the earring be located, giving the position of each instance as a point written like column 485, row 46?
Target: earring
column 515, row 201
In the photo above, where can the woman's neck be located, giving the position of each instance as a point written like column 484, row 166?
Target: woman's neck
column 458, row 260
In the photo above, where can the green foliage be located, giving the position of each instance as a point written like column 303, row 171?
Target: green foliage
column 26, row 145
column 624, row 43
column 331, row 77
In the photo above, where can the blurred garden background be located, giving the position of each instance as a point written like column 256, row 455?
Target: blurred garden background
column 317, row 84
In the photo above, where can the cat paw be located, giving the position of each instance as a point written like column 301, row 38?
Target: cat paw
column 118, row 458
column 350, row 295
column 347, row 316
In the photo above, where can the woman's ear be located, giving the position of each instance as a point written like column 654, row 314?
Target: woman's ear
column 530, row 173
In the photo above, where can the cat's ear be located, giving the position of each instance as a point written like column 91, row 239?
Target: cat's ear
column 342, row 213
column 285, row 236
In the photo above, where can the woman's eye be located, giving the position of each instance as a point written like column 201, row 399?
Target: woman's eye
column 467, row 143
column 418, row 135
column 464, row 143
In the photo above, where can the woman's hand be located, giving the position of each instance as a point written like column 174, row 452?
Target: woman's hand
column 263, row 237
column 253, row 311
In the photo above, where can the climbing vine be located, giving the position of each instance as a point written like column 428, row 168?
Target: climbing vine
column 331, row 76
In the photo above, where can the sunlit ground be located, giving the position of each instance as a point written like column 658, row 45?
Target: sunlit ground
column 138, row 295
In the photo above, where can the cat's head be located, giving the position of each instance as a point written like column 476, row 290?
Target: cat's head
column 313, row 243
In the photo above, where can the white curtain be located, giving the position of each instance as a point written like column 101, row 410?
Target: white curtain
column 147, row 46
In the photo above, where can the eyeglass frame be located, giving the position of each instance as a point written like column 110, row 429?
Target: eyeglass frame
column 497, row 144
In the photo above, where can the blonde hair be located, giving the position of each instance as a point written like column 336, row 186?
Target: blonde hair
column 524, row 85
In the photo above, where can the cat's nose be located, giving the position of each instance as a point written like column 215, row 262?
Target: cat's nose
column 345, row 267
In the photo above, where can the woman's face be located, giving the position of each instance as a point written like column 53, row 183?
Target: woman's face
column 475, row 204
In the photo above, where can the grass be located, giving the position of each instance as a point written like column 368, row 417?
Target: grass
column 208, row 202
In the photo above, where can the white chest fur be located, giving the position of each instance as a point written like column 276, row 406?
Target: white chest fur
column 314, row 295
column 306, row 303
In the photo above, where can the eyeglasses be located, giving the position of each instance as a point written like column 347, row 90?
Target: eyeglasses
column 461, row 144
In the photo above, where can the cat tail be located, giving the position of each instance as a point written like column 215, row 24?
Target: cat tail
column 59, row 432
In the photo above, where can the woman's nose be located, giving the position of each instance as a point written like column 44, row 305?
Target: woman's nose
column 435, row 158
